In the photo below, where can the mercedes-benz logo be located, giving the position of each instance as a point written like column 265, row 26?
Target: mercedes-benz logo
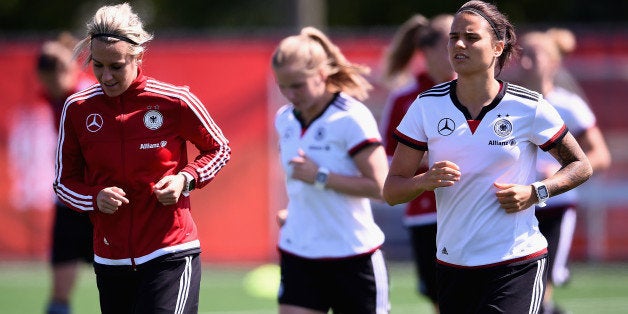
column 94, row 122
column 446, row 126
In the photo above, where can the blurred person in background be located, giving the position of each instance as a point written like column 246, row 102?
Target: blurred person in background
column 418, row 36
column 61, row 76
column 483, row 135
column 122, row 158
column 541, row 60
column 331, row 152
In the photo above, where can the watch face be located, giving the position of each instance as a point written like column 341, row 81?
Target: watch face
column 542, row 190
column 321, row 177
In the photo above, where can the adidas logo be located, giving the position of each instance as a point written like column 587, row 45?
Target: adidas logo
column 444, row 251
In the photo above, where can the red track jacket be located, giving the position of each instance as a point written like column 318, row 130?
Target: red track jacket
column 132, row 141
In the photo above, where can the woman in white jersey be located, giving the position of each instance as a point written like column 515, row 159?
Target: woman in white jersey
column 482, row 135
column 334, row 162
column 540, row 62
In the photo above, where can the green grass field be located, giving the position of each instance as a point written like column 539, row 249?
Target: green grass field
column 595, row 288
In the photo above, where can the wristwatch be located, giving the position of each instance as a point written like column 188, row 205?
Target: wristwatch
column 321, row 178
column 541, row 193
column 190, row 183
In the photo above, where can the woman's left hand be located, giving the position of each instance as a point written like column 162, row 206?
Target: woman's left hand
column 303, row 168
column 169, row 188
column 514, row 197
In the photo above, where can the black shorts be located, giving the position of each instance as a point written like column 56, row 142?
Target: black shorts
column 169, row 284
column 72, row 236
column 352, row 285
column 516, row 288
column 558, row 225
column 423, row 239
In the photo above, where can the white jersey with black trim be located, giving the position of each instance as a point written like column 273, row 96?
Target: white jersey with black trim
column 500, row 145
column 579, row 118
column 323, row 223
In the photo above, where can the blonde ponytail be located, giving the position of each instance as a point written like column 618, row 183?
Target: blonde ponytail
column 312, row 50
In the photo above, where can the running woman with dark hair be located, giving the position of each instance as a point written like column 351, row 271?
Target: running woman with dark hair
column 482, row 135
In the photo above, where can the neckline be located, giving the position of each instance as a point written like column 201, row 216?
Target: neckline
column 498, row 98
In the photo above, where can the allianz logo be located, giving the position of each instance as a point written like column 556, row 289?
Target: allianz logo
column 502, row 143
column 153, row 145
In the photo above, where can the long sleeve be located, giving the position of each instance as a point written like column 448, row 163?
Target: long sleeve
column 70, row 170
column 200, row 129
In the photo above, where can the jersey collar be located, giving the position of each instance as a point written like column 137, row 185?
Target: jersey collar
column 304, row 126
column 498, row 98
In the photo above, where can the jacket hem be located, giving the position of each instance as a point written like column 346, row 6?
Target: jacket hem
column 148, row 257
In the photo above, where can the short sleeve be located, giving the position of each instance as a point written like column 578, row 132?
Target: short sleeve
column 410, row 131
column 361, row 130
column 548, row 127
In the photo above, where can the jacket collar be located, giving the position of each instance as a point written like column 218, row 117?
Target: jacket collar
column 137, row 86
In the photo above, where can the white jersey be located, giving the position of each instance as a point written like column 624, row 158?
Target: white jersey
column 325, row 223
column 500, row 145
column 578, row 117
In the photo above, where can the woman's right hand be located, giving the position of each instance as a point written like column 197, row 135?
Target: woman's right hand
column 441, row 174
column 110, row 199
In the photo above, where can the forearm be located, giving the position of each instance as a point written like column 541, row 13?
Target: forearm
column 207, row 164
column 70, row 184
column 76, row 194
column 208, row 138
column 399, row 189
column 568, row 177
column 600, row 160
column 355, row 186
column 575, row 170
column 594, row 146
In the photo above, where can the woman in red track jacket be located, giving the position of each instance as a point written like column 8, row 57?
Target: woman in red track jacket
column 122, row 158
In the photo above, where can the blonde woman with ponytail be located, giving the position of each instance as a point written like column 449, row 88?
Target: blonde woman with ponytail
column 330, row 149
